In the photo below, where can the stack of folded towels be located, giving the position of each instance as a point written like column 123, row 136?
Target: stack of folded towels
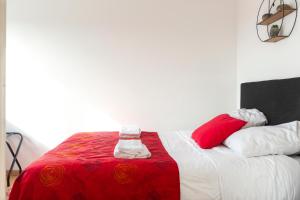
column 130, row 145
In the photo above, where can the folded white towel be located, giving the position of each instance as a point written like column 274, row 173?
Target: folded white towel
column 130, row 131
column 129, row 136
column 130, row 149
column 130, row 145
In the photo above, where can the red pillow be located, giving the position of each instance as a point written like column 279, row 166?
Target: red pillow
column 214, row 132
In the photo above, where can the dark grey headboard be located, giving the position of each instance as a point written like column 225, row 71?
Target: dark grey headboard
column 279, row 100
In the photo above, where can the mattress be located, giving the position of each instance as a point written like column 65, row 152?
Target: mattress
column 219, row 173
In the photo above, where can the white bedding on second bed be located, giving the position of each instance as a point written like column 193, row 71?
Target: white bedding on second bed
column 219, row 173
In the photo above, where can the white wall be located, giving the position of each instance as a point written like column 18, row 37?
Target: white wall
column 92, row 65
column 262, row 61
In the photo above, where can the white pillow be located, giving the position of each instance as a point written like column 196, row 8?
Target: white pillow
column 253, row 117
column 266, row 140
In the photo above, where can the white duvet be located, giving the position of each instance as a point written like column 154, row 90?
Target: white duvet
column 220, row 173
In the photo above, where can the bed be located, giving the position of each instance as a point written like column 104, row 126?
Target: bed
column 218, row 173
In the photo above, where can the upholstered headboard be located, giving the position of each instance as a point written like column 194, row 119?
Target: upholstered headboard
column 279, row 100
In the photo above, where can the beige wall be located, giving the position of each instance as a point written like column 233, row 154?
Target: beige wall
column 92, row 65
column 2, row 134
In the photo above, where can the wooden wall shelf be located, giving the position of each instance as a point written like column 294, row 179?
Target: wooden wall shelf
column 276, row 39
column 268, row 25
column 277, row 16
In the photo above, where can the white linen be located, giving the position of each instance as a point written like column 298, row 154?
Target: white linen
column 253, row 117
column 130, row 131
column 130, row 149
column 129, row 136
column 130, row 145
column 283, row 139
column 297, row 158
column 219, row 173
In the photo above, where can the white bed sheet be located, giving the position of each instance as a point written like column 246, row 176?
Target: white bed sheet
column 220, row 173
column 297, row 158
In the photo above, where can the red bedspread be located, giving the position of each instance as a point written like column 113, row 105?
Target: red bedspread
column 83, row 168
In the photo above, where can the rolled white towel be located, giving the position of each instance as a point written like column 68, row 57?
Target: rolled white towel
column 130, row 131
column 130, row 149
